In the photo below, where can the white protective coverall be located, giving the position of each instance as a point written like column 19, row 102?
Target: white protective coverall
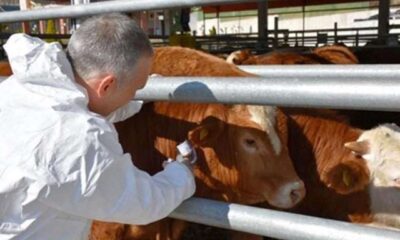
column 62, row 165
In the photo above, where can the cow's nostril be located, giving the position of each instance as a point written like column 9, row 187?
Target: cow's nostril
column 296, row 196
column 289, row 195
column 298, row 192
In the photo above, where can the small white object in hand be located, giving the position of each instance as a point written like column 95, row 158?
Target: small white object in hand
column 185, row 149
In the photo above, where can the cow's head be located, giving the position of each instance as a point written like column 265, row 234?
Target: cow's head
column 245, row 159
column 238, row 57
column 380, row 148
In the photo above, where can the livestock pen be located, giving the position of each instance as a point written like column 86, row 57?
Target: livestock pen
column 311, row 87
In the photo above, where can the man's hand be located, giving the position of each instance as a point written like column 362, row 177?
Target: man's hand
column 186, row 161
column 187, row 155
column 180, row 159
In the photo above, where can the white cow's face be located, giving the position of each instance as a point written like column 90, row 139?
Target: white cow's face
column 380, row 147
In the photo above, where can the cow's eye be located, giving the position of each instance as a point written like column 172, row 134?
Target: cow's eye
column 250, row 142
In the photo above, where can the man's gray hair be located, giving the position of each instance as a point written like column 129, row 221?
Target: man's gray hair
column 109, row 43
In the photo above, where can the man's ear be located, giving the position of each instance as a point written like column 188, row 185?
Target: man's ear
column 207, row 132
column 106, row 85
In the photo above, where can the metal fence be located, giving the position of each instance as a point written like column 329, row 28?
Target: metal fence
column 85, row 10
column 305, row 90
column 375, row 72
column 284, row 38
column 273, row 223
column 296, row 88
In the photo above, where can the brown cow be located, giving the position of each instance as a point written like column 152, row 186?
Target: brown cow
column 366, row 174
column 334, row 54
column 369, row 165
column 316, row 141
column 275, row 57
column 241, row 157
column 176, row 61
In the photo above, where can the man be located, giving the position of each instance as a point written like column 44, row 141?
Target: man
column 60, row 160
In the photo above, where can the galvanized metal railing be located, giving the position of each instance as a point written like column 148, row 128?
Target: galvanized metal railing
column 105, row 7
column 319, row 90
column 376, row 72
column 340, row 92
column 276, row 224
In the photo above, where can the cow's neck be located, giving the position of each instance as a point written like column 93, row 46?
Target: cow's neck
column 335, row 134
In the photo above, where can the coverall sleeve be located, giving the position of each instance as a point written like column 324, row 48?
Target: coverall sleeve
column 125, row 111
column 110, row 188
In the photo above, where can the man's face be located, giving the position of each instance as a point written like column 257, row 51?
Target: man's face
column 126, row 92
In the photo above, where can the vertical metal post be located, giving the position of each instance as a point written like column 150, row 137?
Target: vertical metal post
column 171, row 22
column 304, row 21
column 162, row 22
column 217, row 15
column 167, row 27
column 76, row 22
column 239, row 23
column 336, row 32
column 357, row 38
column 262, row 23
column 276, row 28
column 204, row 23
column 217, row 37
column 383, row 24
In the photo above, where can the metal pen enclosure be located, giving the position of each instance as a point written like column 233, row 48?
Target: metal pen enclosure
column 365, row 87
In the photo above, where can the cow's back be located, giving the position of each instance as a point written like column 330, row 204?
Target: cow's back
column 284, row 58
column 336, row 54
column 196, row 64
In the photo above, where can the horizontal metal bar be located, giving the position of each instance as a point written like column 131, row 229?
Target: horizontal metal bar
column 273, row 223
column 382, row 94
column 76, row 11
column 341, row 93
column 321, row 72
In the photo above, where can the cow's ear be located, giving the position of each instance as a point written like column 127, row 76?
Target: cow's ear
column 207, row 132
column 351, row 175
column 358, row 148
